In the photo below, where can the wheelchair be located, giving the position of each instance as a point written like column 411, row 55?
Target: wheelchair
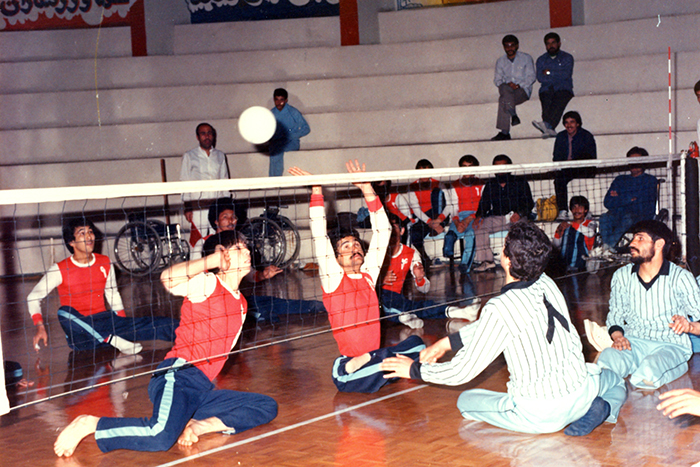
column 144, row 246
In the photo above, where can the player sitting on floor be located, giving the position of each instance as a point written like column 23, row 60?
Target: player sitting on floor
column 185, row 403
column 650, row 302
column 225, row 215
column 402, row 262
column 551, row 386
column 348, row 277
column 84, row 280
column 576, row 239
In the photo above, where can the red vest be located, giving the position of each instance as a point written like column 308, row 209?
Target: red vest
column 352, row 304
column 209, row 328
column 84, row 288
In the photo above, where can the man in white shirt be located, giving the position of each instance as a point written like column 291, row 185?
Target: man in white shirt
column 514, row 77
column 204, row 162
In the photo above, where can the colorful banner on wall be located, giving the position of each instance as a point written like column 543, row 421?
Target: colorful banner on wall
column 216, row 11
column 46, row 14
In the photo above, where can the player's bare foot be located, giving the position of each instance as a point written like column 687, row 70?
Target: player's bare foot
column 196, row 428
column 73, row 434
column 356, row 363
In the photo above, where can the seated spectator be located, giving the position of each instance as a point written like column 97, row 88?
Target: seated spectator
column 462, row 198
column 504, row 200
column 630, row 199
column 575, row 240
column 514, row 77
column 394, row 203
column 572, row 144
column 427, row 202
column 555, row 70
column 402, row 262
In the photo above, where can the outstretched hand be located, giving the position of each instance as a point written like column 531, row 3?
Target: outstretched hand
column 680, row 401
column 398, row 367
column 298, row 171
column 435, row 352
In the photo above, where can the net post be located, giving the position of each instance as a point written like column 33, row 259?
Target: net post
column 692, row 224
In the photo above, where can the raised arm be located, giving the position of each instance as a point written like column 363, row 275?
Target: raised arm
column 381, row 228
column 181, row 273
column 329, row 270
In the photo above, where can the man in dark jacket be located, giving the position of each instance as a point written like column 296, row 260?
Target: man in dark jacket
column 573, row 144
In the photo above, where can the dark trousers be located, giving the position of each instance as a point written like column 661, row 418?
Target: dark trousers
column 90, row 332
column 420, row 229
column 179, row 395
column 553, row 106
column 369, row 378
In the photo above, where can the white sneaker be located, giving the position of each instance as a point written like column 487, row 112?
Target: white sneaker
column 411, row 320
column 549, row 133
column 540, row 126
column 563, row 215
column 597, row 335
column 124, row 346
column 454, row 325
column 469, row 312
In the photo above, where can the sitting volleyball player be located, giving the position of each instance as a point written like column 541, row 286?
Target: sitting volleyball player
column 84, row 280
column 576, row 239
column 405, row 261
column 650, row 302
column 186, row 404
column 551, row 386
column 348, row 277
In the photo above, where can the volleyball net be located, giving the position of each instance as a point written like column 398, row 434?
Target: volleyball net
column 141, row 230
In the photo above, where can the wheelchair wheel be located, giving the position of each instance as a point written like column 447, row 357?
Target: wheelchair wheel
column 292, row 241
column 137, row 248
column 267, row 240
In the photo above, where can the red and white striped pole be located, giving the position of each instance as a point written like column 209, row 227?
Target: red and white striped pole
column 670, row 115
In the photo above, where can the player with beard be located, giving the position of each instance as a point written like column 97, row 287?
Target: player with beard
column 348, row 276
column 650, row 301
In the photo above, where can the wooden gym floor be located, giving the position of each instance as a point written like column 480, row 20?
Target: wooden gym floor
column 404, row 424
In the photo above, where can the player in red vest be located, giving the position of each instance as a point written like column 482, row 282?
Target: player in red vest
column 84, row 280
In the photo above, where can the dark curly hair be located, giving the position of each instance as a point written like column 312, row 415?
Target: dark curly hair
column 528, row 248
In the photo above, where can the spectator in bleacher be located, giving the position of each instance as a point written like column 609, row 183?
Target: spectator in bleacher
column 630, row 199
column 291, row 126
column 555, row 71
column 514, row 77
column 462, row 197
column 505, row 200
column 427, row 202
column 575, row 240
column 204, row 162
column 574, row 143
column 403, row 261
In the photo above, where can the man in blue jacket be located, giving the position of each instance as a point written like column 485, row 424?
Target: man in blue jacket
column 554, row 72
column 291, row 126
column 630, row 199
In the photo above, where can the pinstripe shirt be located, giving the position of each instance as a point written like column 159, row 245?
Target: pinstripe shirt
column 516, row 323
column 645, row 310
